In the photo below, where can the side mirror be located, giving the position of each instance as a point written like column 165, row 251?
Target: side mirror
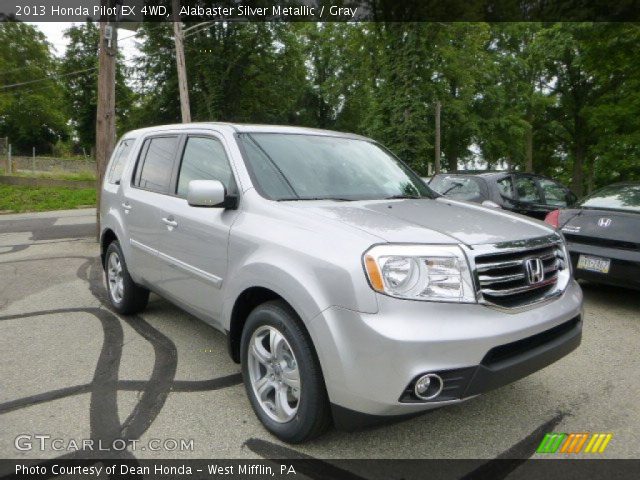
column 206, row 193
column 490, row 204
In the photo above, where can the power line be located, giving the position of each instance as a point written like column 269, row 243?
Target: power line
column 20, row 68
column 51, row 77
column 128, row 36
column 26, row 90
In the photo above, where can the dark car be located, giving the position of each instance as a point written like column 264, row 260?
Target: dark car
column 603, row 235
column 525, row 193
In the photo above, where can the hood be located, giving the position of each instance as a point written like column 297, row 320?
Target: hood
column 429, row 221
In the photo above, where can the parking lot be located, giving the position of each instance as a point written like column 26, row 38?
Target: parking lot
column 74, row 370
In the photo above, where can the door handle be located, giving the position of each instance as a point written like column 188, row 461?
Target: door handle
column 169, row 222
column 126, row 206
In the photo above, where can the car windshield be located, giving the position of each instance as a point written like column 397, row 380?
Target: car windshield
column 614, row 197
column 318, row 167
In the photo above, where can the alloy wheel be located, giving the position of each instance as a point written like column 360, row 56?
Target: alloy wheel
column 274, row 374
column 114, row 277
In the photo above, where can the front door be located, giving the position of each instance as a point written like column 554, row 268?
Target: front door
column 195, row 242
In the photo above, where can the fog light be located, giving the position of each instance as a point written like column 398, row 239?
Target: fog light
column 428, row 386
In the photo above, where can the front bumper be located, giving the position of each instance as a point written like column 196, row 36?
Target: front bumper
column 369, row 360
column 624, row 270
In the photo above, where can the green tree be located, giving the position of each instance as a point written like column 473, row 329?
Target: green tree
column 611, row 58
column 243, row 72
column 512, row 103
column 402, row 93
column 460, row 61
column 31, row 114
column 576, row 90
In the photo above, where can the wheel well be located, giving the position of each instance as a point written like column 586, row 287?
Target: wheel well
column 244, row 305
column 107, row 237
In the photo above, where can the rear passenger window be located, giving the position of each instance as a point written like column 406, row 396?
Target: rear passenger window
column 203, row 159
column 156, row 167
column 122, row 152
column 554, row 193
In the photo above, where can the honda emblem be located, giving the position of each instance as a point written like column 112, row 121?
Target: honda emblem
column 604, row 222
column 534, row 270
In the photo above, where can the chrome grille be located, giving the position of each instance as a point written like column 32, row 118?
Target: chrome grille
column 502, row 277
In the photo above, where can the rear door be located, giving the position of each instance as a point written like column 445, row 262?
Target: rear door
column 142, row 205
column 194, row 245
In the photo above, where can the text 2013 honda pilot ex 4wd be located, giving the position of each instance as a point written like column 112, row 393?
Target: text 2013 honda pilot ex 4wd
column 348, row 290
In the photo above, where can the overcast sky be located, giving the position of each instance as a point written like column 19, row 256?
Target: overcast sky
column 55, row 35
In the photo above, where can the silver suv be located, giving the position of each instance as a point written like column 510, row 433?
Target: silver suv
column 349, row 291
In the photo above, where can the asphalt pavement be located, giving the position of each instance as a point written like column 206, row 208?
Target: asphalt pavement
column 72, row 370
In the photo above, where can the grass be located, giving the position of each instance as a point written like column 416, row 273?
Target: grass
column 18, row 199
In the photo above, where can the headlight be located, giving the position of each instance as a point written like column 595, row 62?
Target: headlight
column 437, row 273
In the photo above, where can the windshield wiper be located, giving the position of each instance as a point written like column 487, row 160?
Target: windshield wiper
column 400, row 197
column 299, row 199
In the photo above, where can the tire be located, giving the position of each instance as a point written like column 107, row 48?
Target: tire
column 124, row 295
column 296, row 419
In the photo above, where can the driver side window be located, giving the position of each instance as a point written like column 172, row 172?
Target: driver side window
column 204, row 158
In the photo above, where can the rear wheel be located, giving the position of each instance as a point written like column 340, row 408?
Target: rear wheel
column 125, row 295
column 282, row 376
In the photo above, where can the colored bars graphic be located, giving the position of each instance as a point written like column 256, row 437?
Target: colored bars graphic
column 574, row 443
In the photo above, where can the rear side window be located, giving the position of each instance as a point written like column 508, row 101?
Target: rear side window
column 154, row 170
column 554, row 193
column 119, row 160
column 204, row 158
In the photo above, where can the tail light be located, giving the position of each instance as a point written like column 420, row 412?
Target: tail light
column 552, row 218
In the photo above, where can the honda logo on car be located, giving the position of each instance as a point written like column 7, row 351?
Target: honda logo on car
column 534, row 270
column 604, row 222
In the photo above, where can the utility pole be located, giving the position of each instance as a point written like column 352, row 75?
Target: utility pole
column 180, row 62
column 106, row 108
column 437, row 142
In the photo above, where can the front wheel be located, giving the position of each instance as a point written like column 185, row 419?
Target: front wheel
column 282, row 376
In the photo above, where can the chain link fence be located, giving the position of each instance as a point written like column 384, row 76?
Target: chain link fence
column 54, row 165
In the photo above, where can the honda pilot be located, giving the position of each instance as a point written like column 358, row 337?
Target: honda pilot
column 348, row 290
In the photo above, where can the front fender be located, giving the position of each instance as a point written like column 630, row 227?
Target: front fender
column 309, row 284
column 276, row 279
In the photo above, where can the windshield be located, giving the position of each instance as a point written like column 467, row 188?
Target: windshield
column 614, row 197
column 315, row 167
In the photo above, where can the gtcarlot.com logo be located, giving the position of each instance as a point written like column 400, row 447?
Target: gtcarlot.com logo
column 27, row 442
column 574, row 443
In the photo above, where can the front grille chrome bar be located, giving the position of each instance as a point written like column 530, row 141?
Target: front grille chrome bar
column 501, row 272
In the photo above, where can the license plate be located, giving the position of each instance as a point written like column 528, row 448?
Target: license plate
column 594, row 264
